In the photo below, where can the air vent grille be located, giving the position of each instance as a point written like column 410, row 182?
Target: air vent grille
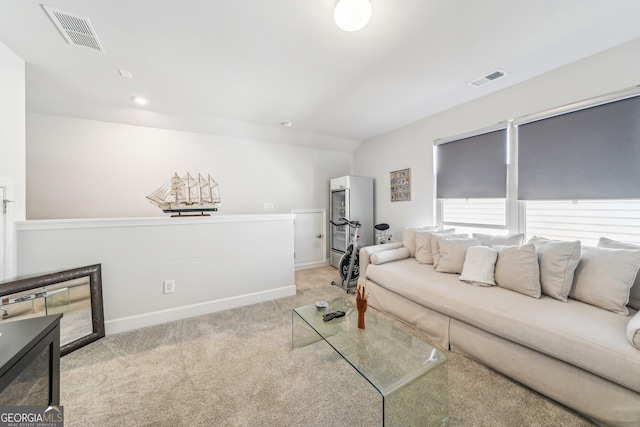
column 75, row 29
column 488, row 78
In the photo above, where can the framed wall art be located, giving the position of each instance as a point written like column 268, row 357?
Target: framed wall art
column 401, row 185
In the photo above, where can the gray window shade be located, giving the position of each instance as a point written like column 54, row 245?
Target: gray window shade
column 474, row 167
column 588, row 154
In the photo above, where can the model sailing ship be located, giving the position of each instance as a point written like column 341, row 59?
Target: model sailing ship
column 187, row 195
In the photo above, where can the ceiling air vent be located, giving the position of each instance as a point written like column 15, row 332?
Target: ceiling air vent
column 75, row 29
column 488, row 78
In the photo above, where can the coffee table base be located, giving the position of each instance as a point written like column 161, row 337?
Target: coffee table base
column 413, row 401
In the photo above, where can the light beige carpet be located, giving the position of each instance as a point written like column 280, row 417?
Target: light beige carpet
column 237, row 368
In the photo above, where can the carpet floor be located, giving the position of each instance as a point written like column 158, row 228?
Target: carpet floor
column 237, row 368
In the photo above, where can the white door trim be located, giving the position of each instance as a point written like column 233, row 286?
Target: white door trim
column 6, row 221
column 303, row 265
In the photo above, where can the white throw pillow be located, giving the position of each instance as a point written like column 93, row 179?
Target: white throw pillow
column 453, row 253
column 634, row 295
column 408, row 238
column 389, row 255
column 517, row 269
column 479, row 266
column 604, row 277
column 633, row 330
column 424, row 254
column 491, row 239
column 558, row 261
column 435, row 246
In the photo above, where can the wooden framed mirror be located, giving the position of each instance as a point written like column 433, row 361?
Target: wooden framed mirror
column 76, row 293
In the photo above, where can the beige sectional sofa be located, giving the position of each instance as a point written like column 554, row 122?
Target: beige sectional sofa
column 575, row 353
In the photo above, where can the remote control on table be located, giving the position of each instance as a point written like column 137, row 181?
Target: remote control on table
column 331, row 316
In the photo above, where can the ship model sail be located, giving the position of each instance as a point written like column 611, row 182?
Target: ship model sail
column 187, row 195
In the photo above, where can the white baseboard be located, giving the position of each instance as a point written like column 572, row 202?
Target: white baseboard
column 129, row 323
column 307, row 265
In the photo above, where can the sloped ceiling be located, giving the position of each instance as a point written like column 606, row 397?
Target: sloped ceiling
column 245, row 66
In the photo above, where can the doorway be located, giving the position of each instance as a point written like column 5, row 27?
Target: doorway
column 310, row 247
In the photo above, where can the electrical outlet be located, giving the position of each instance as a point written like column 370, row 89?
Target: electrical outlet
column 169, row 286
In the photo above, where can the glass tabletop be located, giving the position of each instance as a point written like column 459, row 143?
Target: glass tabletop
column 387, row 356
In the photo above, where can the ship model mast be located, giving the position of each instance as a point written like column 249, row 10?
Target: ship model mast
column 187, row 195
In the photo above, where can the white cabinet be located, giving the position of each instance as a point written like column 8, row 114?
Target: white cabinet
column 309, row 237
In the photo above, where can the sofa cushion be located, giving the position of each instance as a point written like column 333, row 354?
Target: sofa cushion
column 633, row 330
column 604, row 277
column 435, row 244
column 452, row 254
column 558, row 261
column 389, row 255
column 491, row 239
column 580, row 334
column 423, row 252
column 408, row 237
column 517, row 269
column 634, row 295
column 479, row 266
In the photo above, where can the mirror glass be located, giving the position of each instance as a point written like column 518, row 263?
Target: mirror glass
column 77, row 294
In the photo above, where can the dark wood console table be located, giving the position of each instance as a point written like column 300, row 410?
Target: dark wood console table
column 30, row 361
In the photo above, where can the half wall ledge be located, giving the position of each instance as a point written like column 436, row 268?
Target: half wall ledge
column 216, row 262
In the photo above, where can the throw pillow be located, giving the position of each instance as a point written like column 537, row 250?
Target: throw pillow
column 633, row 330
column 491, row 240
column 517, row 269
column 423, row 254
column 453, row 253
column 479, row 266
column 558, row 261
column 634, row 295
column 604, row 277
column 389, row 255
column 408, row 238
column 435, row 246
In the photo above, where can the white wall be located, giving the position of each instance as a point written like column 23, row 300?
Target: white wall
column 89, row 169
column 12, row 126
column 412, row 145
column 217, row 263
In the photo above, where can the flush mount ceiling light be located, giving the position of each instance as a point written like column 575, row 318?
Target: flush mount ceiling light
column 139, row 100
column 352, row 15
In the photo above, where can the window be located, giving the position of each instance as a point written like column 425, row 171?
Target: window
column 488, row 216
column 584, row 220
column 588, row 151
column 471, row 181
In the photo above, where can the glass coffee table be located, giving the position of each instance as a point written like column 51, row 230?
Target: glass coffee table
column 410, row 374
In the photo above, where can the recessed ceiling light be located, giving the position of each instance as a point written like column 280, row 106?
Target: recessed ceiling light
column 140, row 100
column 286, row 124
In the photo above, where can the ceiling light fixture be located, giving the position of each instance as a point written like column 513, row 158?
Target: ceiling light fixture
column 352, row 15
column 140, row 100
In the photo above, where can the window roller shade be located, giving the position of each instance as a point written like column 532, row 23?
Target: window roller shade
column 587, row 154
column 473, row 167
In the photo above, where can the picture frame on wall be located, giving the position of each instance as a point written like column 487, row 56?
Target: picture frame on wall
column 401, row 185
